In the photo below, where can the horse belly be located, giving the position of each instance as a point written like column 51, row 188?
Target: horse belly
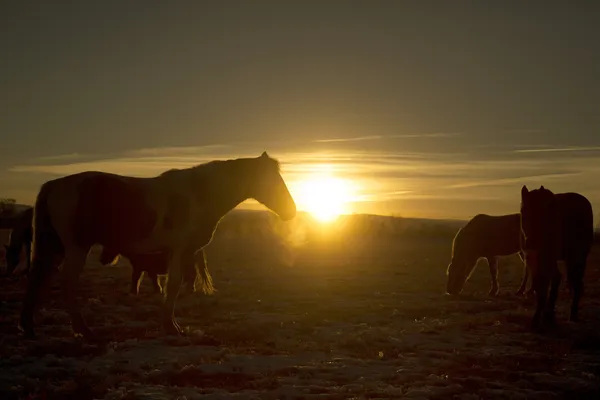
column 152, row 262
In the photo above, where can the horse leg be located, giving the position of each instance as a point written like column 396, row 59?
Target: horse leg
column 43, row 267
column 72, row 267
column 189, row 271
column 69, row 279
column 493, row 264
column 549, row 313
column 526, row 268
column 174, row 277
column 576, row 272
column 154, row 278
column 136, row 279
column 529, row 274
column 28, row 256
column 540, row 282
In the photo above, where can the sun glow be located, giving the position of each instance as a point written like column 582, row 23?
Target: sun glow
column 324, row 196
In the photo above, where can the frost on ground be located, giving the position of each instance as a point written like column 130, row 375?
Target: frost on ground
column 349, row 318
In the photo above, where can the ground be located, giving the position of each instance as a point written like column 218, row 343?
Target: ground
column 338, row 317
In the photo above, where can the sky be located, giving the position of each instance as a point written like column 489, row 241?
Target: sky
column 433, row 109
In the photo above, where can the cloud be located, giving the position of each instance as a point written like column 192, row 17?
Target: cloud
column 558, row 149
column 61, row 157
column 508, row 181
column 380, row 137
column 179, row 150
column 353, row 139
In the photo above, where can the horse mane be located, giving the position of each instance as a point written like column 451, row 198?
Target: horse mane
column 247, row 165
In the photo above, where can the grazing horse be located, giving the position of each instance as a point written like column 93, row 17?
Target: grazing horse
column 486, row 236
column 20, row 235
column 154, row 264
column 176, row 211
column 556, row 227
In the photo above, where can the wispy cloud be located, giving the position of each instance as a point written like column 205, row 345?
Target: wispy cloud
column 506, row 181
column 558, row 149
column 61, row 157
column 179, row 150
column 383, row 137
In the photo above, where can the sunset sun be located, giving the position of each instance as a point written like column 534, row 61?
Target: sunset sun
column 324, row 196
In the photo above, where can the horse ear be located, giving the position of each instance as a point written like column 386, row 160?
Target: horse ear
column 542, row 187
column 264, row 154
column 524, row 191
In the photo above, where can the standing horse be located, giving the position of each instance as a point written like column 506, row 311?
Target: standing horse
column 20, row 235
column 177, row 211
column 557, row 227
column 485, row 236
column 154, row 264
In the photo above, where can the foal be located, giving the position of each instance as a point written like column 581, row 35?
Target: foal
column 154, row 264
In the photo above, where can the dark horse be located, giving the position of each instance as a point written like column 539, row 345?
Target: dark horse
column 154, row 264
column 20, row 235
column 556, row 227
column 176, row 212
column 485, row 236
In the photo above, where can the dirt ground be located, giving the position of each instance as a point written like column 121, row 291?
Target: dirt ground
column 337, row 318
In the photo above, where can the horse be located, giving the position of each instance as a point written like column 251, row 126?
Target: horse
column 557, row 227
column 177, row 211
column 154, row 264
column 20, row 235
column 487, row 236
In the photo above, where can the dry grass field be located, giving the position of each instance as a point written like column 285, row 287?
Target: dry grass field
column 350, row 314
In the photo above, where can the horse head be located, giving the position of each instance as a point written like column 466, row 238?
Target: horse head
column 270, row 188
column 539, row 216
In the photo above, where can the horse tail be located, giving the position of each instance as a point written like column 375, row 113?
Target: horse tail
column 203, row 277
column 45, row 237
column 46, row 248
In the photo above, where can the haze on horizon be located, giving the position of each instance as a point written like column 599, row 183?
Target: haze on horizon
column 431, row 109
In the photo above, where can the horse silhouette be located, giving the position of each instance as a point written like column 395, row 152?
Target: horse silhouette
column 487, row 236
column 176, row 212
column 155, row 263
column 557, row 227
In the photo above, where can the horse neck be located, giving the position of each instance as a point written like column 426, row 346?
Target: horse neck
column 227, row 191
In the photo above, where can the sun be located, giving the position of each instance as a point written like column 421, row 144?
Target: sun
column 324, row 196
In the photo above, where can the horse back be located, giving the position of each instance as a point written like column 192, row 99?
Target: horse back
column 490, row 235
column 97, row 207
